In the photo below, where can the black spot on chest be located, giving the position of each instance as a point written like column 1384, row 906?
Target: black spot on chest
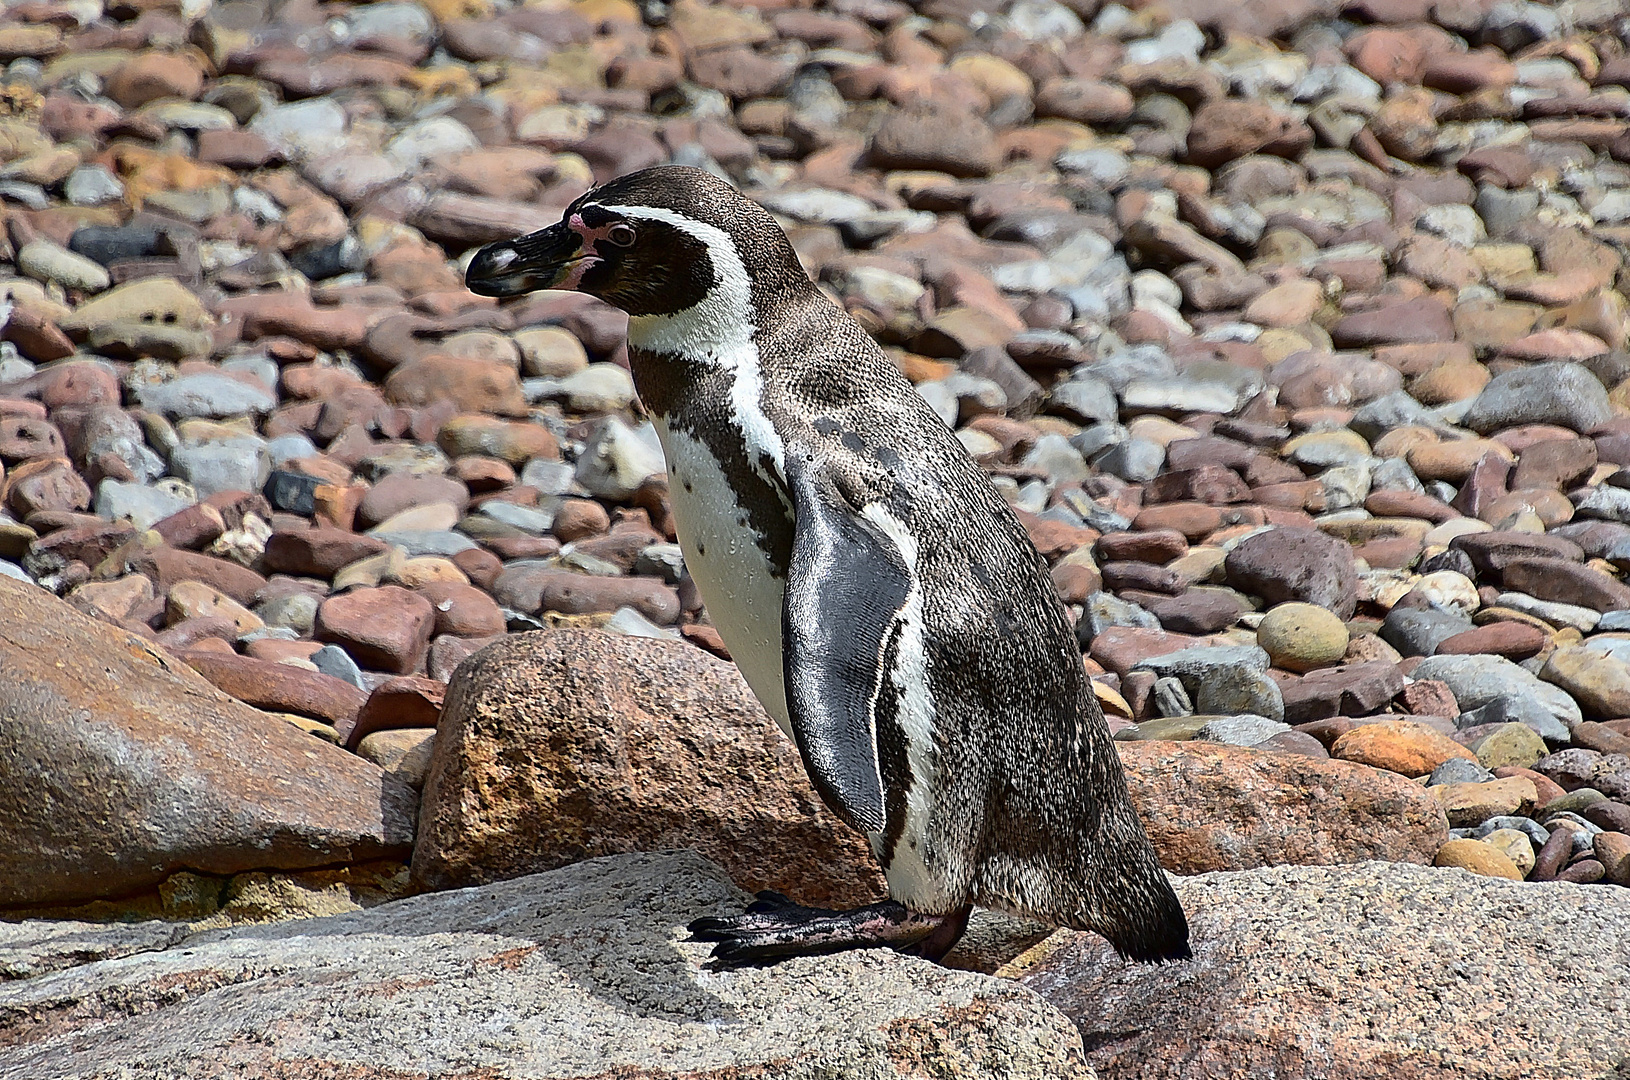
column 696, row 402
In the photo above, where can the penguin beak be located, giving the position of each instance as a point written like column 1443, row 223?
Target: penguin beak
column 552, row 258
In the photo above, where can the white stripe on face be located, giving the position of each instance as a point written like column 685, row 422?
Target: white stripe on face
column 718, row 325
column 717, row 331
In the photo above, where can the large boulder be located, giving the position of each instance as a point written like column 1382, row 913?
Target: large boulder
column 557, row 746
column 1353, row 972
column 1212, row 807
column 119, row 765
column 580, row 972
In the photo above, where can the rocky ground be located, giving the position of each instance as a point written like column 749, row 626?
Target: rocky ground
column 1295, row 329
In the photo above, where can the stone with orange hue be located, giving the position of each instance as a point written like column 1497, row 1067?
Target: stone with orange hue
column 471, row 385
column 583, row 744
column 386, row 628
column 1477, row 857
column 110, row 735
column 1398, row 745
column 1209, row 807
column 151, row 76
column 406, row 701
column 277, row 687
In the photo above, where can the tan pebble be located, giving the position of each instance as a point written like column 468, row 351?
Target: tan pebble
column 1442, row 534
column 413, row 573
column 1160, row 430
column 1477, row 857
column 1453, row 461
column 325, row 732
column 1514, row 845
column 1474, row 803
column 1277, row 344
column 1510, row 744
column 1200, row 564
column 1531, row 510
column 403, row 751
column 1613, row 851
column 432, row 517
column 551, row 351
column 996, row 77
column 1366, row 646
column 1449, row 383
column 1288, row 305
column 1450, row 589
column 1301, row 637
column 1400, row 441
column 1504, row 263
column 194, row 599
column 1113, row 703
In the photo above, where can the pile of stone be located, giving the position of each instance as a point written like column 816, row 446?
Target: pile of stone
column 1294, row 331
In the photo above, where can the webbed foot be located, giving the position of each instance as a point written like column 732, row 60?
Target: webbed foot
column 774, row 927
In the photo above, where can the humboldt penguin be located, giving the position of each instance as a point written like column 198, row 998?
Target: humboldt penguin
column 882, row 600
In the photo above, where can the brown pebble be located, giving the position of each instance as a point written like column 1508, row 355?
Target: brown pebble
column 386, row 628
column 1553, row 856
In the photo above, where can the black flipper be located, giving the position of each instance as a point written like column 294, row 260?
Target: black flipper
column 845, row 588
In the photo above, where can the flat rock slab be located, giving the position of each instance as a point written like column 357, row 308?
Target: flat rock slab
column 119, row 765
column 575, row 973
column 1349, row 972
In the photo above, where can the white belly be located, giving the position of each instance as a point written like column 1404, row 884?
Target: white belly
column 731, row 571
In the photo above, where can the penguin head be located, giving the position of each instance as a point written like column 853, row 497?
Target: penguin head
column 657, row 242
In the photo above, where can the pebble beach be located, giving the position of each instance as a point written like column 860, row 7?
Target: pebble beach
column 1295, row 332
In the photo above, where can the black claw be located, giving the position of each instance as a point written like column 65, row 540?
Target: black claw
column 709, row 929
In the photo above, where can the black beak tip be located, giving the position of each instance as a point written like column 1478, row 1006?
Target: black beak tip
column 487, row 266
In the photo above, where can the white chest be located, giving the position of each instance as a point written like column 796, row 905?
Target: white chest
column 731, row 571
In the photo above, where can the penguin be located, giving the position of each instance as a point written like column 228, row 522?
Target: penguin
column 880, row 597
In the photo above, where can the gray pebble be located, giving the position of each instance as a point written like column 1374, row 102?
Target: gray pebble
column 207, row 394
column 1104, row 610
column 535, row 521
column 1420, row 632
column 335, row 661
column 1564, row 394
column 92, row 185
column 1171, row 698
column 1519, row 708
column 1135, row 460
column 1459, row 771
column 141, row 504
column 627, row 621
column 1054, row 455
column 1084, row 400
column 616, row 461
column 212, row 467
column 428, row 542
column 1477, row 680
column 549, row 477
column 298, row 612
column 1525, row 825
column 1241, row 730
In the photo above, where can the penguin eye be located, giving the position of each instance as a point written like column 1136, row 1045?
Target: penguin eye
column 620, row 234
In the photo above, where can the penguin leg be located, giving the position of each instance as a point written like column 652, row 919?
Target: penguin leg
column 774, row 928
